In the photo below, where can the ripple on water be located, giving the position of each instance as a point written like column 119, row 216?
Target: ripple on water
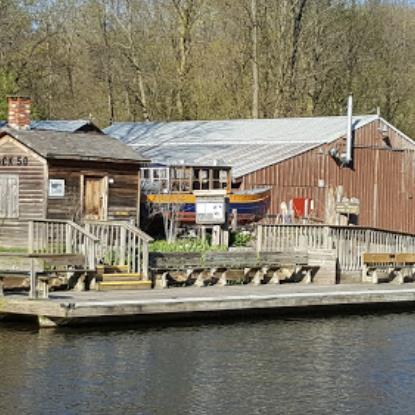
column 343, row 365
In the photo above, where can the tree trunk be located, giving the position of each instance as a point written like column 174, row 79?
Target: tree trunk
column 254, row 59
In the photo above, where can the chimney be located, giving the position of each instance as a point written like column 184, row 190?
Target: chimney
column 19, row 112
column 349, row 139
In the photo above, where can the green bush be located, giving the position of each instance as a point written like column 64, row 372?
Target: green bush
column 241, row 238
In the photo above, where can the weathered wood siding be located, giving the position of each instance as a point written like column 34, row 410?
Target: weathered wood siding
column 123, row 193
column 31, row 170
column 382, row 178
column 69, row 206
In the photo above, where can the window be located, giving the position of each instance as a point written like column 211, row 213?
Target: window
column 56, row 188
column 219, row 179
column 9, row 196
column 146, row 173
column 154, row 179
column 181, row 179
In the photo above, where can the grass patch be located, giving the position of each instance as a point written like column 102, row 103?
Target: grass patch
column 12, row 250
column 184, row 245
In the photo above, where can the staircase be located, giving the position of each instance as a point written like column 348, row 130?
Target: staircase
column 117, row 277
column 122, row 247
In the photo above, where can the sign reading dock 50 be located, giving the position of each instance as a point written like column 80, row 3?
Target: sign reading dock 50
column 13, row 160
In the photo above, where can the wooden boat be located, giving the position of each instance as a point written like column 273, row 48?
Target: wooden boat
column 175, row 185
column 251, row 205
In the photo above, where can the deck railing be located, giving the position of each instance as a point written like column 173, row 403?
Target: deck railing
column 349, row 242
column 59, row 237
column 121, row 244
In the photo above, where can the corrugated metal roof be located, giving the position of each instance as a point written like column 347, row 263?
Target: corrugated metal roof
column 245, row 145
column 67, row 126
column 83, row 146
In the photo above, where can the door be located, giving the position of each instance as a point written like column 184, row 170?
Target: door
column 94, row 198
column 9, row 196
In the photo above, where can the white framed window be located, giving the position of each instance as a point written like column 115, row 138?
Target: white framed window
column 56, row 188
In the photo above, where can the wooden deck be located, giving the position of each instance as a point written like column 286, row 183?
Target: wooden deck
column 72, row 308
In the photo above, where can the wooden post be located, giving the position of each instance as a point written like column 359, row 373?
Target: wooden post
column 225, row 238
column 223, row 280
column 164, row 280
column 1, row 287
column 92, row 253
column 33, row 288
column 30, row 237
column 275, row 277
column 328, row 240
column 145, row 260
column 200, row 279
column 234, row 222
column 216, row 230
column 68, row 239
column 259, row 232
column 123, row 241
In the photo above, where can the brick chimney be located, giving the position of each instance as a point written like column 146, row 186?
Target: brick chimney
column 19, row 112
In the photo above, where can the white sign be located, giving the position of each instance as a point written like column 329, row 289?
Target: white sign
column 56, row 187
column 210, row 212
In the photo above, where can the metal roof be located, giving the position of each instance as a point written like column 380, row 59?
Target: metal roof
column 67, row 126
column 79, row 146
column 245, row 145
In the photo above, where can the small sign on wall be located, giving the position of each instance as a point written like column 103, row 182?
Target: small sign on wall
column 56, row 187
column 210, row 212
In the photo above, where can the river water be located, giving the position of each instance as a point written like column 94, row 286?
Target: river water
column 323, row 365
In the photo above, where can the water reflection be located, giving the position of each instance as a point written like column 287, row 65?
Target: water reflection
column 353, row 364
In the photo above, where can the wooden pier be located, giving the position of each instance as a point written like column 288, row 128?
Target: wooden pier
column 74, row 308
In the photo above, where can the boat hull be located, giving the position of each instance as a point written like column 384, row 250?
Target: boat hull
column 250, row 205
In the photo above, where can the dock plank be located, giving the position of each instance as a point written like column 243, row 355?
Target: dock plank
column 97, row 307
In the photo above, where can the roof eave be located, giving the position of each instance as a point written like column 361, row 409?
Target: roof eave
column 98, row 159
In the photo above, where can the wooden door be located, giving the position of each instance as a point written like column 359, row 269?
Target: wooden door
column 94, row 207
column 9, row 196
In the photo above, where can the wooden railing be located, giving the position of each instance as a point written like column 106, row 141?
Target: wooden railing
column 349, row 242
column 60, row 237
column 121, row 244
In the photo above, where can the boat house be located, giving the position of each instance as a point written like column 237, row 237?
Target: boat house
column 335, row 170
column 74, row 176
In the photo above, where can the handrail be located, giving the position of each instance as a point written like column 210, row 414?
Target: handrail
column 349, row 242
column 48, row 236
column 121, row 243
column 263, row 222
column 139, row 233
column 68, row 222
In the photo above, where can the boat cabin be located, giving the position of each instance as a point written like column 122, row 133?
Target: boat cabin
column 158, row 178
column 58, row 175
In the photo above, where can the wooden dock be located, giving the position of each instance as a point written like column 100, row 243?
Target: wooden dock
column 73, row 308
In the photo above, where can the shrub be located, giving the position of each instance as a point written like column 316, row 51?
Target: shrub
column 241, row 238
column 184, row 245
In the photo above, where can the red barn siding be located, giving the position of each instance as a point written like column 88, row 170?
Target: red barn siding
column 382, row 179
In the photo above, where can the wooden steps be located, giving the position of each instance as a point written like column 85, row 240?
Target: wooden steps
column 124, row 285
column 120, row 277
column 117, row 277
